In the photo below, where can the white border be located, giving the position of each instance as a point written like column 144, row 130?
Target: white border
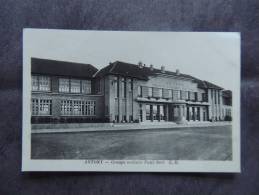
column 80, row 165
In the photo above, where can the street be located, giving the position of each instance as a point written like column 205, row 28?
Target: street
column 199, row 143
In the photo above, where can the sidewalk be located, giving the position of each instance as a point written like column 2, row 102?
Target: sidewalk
column 133, row 126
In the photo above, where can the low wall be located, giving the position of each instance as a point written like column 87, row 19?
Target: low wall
column 70, row 125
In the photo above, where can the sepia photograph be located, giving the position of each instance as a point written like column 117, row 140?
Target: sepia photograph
column 131, row 101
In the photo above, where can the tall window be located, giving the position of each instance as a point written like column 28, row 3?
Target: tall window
column 215, row 97
column 78, row 108
column 131, row 84
column 184, row 95
column 160, row 93
column 124, row 85
column 199, row 97
column 41, row 106
column 44, row 83
column 45, row 107
column 195, row 96
column 66, row 107
column 116, row 87
column 86, row 86
column 191, row 95
column 64, row 85
column 176, row 95
column 40, row 83
column 170, row 94
column 34, row 83
column 139, row 91
column 34, row 106
column 150, row 91
column 75, row 86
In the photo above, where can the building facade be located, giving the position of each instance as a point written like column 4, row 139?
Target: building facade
column 64, row 92
column 120, row 92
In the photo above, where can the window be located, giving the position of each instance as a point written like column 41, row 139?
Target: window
column 78, row 107
column 199, row 97
column 139, row 91
column 34, row 107
column 44, row 83
column 67, row 85
column 124, row 85
column 191, row 95
column 40, row 83
column 204, row 97
column 184, row 95
column 170, row 93
column 215, row 97
column 176, row 94
column 160, row 93
column 195, row 96
column 91, row 108
column 150, row 91
column 63, row 85
column 34, row 81
column 41, row 106
column 86, row 86
column 66, row 107
column 131, row 84
column 75, row 86
column 116, row 87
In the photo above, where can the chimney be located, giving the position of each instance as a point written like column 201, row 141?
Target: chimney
column 151, row 67
column 140, row 64
column 163, row 69
column 177, row 72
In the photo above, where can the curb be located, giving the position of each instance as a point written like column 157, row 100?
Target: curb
column 154, row 127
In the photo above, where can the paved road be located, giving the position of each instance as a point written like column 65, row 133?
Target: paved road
column 202, row 143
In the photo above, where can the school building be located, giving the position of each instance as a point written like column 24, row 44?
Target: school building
column 67, row 92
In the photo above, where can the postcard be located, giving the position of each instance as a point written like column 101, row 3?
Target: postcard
column 131, row 101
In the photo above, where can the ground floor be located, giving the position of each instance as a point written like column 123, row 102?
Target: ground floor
column 189, row 143
column 172, row 112
column 67, row 108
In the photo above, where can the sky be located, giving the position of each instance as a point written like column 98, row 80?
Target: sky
column 213, row 56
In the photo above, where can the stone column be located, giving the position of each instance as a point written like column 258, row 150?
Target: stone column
column 201, row 113
column 144, row 112
column 181, row 117
column 195, row 113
